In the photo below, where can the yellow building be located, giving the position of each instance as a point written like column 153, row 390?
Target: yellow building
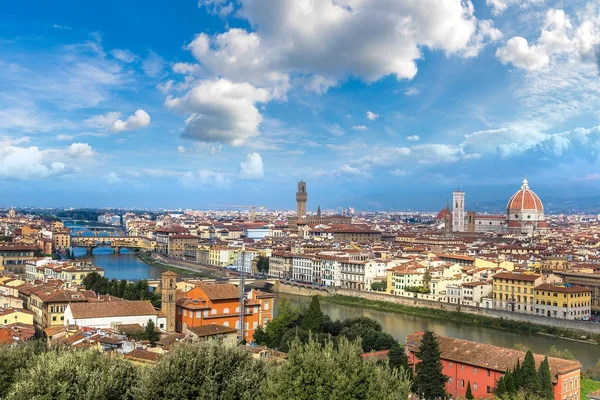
column 483, row 263
column 49, row 305
column 515, row 292
column 61, row 239
column 16, row 316
column 401, row 277
column 564, row 301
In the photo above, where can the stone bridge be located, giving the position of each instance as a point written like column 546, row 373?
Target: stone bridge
column 115, row 242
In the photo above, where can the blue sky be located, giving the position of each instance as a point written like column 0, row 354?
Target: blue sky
column 377, row 104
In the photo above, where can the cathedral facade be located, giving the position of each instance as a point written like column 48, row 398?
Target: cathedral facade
column 524, row 214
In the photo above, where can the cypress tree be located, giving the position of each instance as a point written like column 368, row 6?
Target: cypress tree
column 529, row 378
column 509, row 382
column 430, row 381
column 469, row 394
column 313, row 318
column 516, row 376
column 500, row 387
column 546, row 389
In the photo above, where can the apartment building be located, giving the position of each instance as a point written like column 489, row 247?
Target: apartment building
column 564, row 301
column 280, row 265
column 516, row 291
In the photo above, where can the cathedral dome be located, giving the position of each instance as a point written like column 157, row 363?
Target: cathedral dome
column 442, row 214
column 524, row 200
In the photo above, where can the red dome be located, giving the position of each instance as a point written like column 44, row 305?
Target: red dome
column 442, row 214
column 524, row 199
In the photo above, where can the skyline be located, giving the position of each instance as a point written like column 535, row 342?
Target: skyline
column 387, row 106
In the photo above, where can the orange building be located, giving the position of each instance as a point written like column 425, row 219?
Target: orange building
column 214, row 303
column 482, row 365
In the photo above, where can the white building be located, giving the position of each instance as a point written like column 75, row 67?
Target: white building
column 244, row 260
column 458, row 211
column 110, row 313
column 303, row 269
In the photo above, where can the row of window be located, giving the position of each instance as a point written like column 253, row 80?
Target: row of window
column 512, row 289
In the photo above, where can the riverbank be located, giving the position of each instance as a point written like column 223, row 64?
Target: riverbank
column 462, row 317
column 180, row 269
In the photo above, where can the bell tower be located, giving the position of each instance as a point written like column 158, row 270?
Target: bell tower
column 169, row 301
column 301, row 197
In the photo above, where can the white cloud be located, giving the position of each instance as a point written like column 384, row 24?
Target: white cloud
column 140, row 119
column 349, row 171
column 186, row 68
column 112, row 121
column 62, row 27
column 64, row 137
column 412, row 91
column 251, row 168
column 153, row 65
column 372, row 116
column 337, row 147
column 205, row 179
column 112, row 179
column 499, row 6
column 30, row 163
column 165, row 87
column 180, row 149
column 399, row 172
column 359, row 128
column 518, row 52
column 436, row 153
column 124, row 55
column 413, row 137
column 221, row 111
column 219, row 7
column 336, row 130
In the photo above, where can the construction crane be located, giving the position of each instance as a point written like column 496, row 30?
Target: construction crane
column 240, row 207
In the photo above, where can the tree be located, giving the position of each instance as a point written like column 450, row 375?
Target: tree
column 292, row 334
column 500, row 387
column 397, row 358
column 316, row 371
column 529, row 378
column 379, row 286
column 469, row 394
column 15, row 359
column 557, row 353
column 509, row 383
column 426, row 278
column 287, row 317
column 546, row 389
column 517, row 378
column 76, row 374
column 312, row 320
column 150, row 334
column 430, row 380
column 260, row 336
column 262, row 264
column 203, row 370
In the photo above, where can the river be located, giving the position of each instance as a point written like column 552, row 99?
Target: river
column 400, row 325
column 127, row 266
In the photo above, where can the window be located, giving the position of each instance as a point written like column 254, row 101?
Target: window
column 226, row 310
column 450, row 363
column 474, row 370
column 54, row 318
column 225, row 323
column 450, row 380
column 475, row 386
column 198, row 314
column 462, row 367
column 213, row 311
column 489, row 373
column 462, row 383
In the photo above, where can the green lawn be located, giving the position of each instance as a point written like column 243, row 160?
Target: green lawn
column 588, row 386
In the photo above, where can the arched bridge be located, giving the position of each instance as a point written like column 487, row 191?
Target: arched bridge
column 116, row 242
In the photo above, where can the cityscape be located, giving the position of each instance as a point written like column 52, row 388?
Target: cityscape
column 300, row 200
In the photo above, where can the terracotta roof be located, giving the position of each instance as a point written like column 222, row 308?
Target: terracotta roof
column 524, row 199
column 222, row 291
column 112, row 309
column 139, row 354
column 486, row 355
column 551, row 287
column 517, row 277
column 210, row 330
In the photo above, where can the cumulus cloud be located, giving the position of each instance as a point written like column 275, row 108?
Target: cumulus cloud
column 251, row 168
column 221, row 111
column 499, row 6
column 413, row 137
column 140, row 119
column 316, row 44
column 558, row 37
column 111, row 120
column 372, row 116
column 29, row 163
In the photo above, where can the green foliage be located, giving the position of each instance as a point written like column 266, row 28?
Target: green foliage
column 529, row 378
column 149, row 333
column 417, row 289
column 520, row 395
column 558, row 353
column 203, row 371
column 397, row 358
column 260, row 336
column 588, row 386
column 315, row 371
column 509, row 381
column 427, row 279
column 312, row 320
column 333, row 328
column 15, row 359
column 379, row 286
column 500, row 387
column 517, row 376
column 430, row 381
column 468, row 393
column 546, row 389
column 5, row 238
column 287, row 317
column 593, row 372
column 262, row 264
column 75, row 374
column 291, row 335
column 129, row 291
